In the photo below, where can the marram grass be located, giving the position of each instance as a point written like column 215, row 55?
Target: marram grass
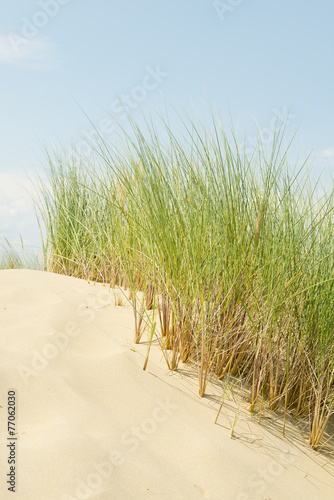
column 19, row 256
column 228, row 259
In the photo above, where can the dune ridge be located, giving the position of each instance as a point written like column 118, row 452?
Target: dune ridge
column 92, row 424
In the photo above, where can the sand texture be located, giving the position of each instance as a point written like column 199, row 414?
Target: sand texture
column 91, row 424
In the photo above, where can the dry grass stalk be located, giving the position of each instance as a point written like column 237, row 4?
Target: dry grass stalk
column 118, row 298
column 149, row 296
column 166, row 321
column 140, row 324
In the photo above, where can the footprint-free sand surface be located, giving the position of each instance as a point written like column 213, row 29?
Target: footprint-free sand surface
column 91, row 424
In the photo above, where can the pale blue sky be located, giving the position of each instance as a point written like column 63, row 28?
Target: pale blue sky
column 249, row 57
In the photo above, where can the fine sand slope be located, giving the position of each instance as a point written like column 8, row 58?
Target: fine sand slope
column 91, row 424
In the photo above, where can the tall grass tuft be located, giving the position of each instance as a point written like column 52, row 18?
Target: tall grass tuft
column 228, row 259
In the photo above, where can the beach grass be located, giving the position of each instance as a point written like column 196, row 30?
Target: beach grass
column 228, row 259
column 20, row 256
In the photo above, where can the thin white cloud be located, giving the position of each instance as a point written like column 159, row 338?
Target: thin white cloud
column 326, row 153
column 19, row 50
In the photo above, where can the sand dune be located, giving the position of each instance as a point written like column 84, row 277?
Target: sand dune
column 92, row 424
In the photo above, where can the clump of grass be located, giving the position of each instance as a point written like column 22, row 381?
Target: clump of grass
column 232, row 255
column 19, row 257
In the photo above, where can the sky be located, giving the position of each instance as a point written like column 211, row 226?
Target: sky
column 254, row 61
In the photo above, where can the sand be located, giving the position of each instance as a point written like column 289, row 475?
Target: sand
column 91, row 424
